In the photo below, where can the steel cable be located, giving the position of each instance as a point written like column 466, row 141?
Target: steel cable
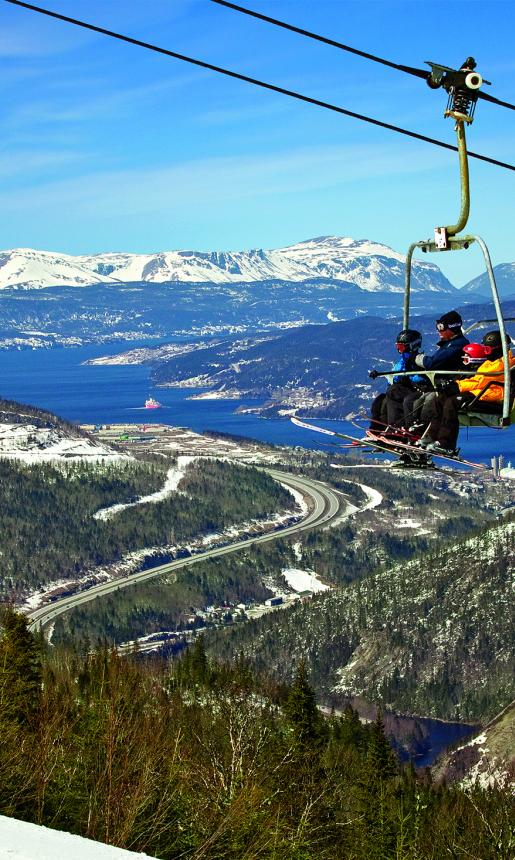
column 255, row 81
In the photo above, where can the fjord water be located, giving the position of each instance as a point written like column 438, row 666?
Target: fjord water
column 58, row 380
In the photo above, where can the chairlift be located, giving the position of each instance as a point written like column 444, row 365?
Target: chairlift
column 463, row 86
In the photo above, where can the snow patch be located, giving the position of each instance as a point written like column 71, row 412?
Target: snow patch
column 173, row 478
column 303, row 580
column 32, row 444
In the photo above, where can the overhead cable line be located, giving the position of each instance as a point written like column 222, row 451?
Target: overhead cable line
column 419, row 73
column 409, row 70
column 245, row 78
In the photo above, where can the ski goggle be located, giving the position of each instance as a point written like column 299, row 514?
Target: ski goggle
column 443, row 326
column 402, row 347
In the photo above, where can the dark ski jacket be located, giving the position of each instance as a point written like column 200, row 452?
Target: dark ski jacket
column 448, row 356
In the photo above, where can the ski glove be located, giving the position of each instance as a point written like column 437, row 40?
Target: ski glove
column 449, row 387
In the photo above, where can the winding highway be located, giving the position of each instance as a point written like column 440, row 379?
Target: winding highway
column 324, row 507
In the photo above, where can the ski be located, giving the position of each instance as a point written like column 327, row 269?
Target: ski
column 418, row 458
column 405, row 435
column 388, row 446
column 416, row 449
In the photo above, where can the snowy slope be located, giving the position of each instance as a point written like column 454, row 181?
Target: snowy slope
column 369, row 265
column 487, row 759
column 32, row 444
column 505, row 279
column 20, row 840
column 34, row 269
column 33, row 435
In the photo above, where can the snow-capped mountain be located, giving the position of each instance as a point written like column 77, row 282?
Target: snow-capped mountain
column 504, row 277
column 25, row 267
column 368, row 265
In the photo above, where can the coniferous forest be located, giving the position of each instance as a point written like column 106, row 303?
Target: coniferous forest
column 205, row 760
column 48, row 529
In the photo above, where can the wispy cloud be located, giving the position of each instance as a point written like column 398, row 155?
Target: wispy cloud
column 241, row 113
column 25, row 162
column 25, row 37
column 66, row 106
column 197, row 185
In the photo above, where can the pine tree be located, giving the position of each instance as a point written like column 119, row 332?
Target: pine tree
column 377, row 796
column 193, row 669
column 20, row 669
column 300, row 709
column 381, row 760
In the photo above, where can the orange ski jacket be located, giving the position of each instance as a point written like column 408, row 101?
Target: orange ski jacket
column 476, row 384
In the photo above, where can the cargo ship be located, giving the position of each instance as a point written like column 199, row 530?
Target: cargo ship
column 150, row 403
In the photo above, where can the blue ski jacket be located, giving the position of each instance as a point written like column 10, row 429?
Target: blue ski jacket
column 405, row 363
column 448, row 356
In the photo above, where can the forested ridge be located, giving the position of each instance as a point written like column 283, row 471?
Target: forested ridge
column 431, row 635
column 48, row 531
column 199, row 759
column 352, row 550
column 12, row 412
column 168, row 602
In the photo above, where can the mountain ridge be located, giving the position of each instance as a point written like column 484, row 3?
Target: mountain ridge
column 420, row 636
column 369, row 265
column 320, row 370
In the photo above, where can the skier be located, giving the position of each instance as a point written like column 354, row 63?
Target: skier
column 442, row 434
column 447, row 356
column 391, row 410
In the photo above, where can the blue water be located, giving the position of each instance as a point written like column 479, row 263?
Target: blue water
column 441, row 735
column 57, row 380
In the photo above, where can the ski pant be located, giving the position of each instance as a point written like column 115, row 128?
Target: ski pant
column 378, row 413
column 390, row 408
column 426, row 408
column 445, row 426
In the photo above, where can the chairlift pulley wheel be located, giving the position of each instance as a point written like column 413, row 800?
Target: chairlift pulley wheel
column 462, row 86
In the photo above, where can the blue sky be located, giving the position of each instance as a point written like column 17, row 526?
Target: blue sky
column 109, row 147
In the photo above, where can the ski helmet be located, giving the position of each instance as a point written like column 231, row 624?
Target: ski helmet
column 475, row 353
column 408, row 340
column 451, row 320
column 492, row 342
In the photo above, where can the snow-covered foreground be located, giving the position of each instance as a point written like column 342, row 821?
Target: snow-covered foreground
column 32, row 444
column 20, row 840
column 173, row 479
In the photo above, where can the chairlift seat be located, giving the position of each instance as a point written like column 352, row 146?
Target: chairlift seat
column 489, row 414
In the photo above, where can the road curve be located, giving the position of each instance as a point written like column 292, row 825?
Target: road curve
column 325, row 507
